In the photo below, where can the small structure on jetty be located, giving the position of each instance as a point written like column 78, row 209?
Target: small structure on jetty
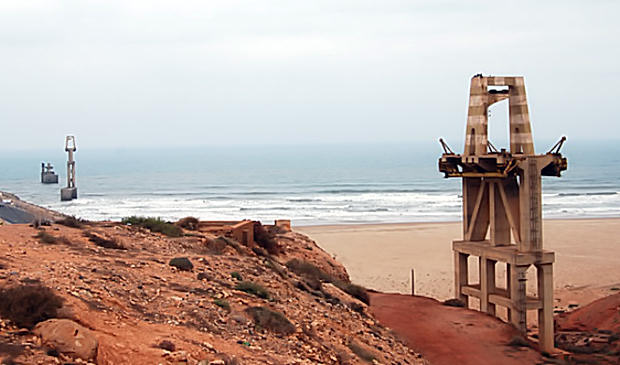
column 70, row 192
column 502, row 208
column 48, row 176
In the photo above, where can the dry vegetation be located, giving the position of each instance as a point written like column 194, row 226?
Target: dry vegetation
column 454, row 303
column 45, row 237
column 266, row 240
column 72, row 222
column 362, row 351
column 27, row 305
column 314, row 276
column 49, row 239
column 222, row 303
column 112, row 243
column 189, row 223
column 265, row 318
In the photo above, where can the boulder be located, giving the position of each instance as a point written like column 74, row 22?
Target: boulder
column 67, row 337
column 181, row 263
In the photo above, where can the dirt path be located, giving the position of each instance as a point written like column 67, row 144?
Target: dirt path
column 448, row 335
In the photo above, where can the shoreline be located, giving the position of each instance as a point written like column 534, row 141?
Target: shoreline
column 433, row 222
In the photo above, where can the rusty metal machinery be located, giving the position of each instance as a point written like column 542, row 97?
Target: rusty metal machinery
column 502, row 208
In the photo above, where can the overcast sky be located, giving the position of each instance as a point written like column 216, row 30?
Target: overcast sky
column 172, row 73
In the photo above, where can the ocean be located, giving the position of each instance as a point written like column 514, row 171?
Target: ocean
column 309, row 184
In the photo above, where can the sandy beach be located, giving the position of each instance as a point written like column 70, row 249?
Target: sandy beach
column 381, row 256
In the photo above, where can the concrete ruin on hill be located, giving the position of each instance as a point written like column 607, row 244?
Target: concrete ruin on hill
column 241, row 231
column 502, row 208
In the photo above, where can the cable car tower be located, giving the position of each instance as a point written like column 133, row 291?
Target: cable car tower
column 502, row 208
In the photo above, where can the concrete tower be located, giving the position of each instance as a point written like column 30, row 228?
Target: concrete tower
column 502, row 208
column 70, row 192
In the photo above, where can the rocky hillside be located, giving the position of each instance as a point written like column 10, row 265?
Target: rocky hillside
column 122, row 294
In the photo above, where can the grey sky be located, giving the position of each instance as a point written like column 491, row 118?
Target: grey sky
column 170, row 73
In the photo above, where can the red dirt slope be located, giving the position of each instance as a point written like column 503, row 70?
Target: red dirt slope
column 592, row 332
column 450, row 335
column 602, row 314
column 118, row 281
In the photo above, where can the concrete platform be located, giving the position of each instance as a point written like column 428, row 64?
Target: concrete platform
column 68, row 194
column 508, row 254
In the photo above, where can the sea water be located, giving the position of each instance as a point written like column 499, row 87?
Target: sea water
column 309, row 184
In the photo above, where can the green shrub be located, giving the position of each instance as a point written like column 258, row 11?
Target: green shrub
column 222, row 303
column 271, row 320
column 157, row 225
column 253, row 288
column 236, row 275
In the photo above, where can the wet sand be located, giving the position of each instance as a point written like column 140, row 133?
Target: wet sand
column 381, row 256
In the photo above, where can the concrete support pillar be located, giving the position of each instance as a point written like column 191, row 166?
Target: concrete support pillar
column 518, row 312
column 487, row 284
column 484, row 289
column 545, row 314
column 509, row 290
column 530, row 206
column 461, row 273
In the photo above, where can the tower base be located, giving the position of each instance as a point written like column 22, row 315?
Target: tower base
column 514, row 296
column 68, row 194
